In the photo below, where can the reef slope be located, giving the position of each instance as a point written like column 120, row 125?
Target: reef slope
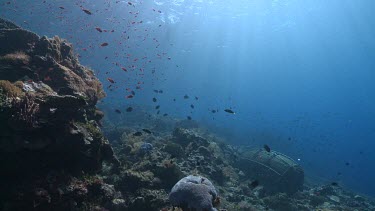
column 50, row 142
column 152, row 163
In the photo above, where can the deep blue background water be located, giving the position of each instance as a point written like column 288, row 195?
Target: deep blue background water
column 300, row 75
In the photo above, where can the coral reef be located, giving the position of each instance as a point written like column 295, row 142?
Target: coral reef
column 54, row 155
column 146, row 180
column 50, row 137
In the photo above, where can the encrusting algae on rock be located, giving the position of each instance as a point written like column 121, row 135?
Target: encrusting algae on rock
column 18, row 57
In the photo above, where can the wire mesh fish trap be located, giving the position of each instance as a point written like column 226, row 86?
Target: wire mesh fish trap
column 275, row 171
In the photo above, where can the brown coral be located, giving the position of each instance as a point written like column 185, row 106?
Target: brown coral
column 10, row 90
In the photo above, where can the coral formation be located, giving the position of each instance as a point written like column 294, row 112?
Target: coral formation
column 193, row 192
column 48, row 139
column 9, row 90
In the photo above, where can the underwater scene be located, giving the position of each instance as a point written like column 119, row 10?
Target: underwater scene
column 187, row 105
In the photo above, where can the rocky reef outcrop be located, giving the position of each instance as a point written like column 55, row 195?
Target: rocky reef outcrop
column 49, row 137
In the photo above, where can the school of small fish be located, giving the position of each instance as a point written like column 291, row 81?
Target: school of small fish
column 115, row 41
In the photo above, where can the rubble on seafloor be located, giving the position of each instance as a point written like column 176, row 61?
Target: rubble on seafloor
column 190, row 151
column 54, row 155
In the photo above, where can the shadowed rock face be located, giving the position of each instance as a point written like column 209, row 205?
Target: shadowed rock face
column 48, row 117
column 13, row 38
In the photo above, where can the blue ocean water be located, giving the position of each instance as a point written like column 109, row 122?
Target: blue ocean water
column 300, row 75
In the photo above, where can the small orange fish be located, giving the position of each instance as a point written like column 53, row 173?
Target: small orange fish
column 104, row 44
column 129, row 96
column 124, row 69
column 98, row 29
